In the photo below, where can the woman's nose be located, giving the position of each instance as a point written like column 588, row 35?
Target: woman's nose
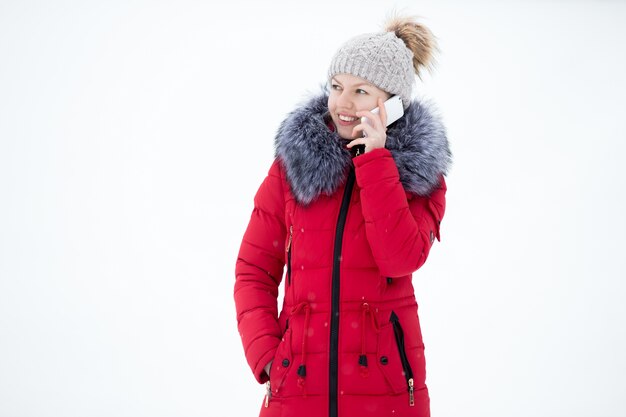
column 343, row 101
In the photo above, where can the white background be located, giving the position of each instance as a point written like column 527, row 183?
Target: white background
column 133, row 136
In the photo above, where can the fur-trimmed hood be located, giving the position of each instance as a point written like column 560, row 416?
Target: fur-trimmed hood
column 317, row 162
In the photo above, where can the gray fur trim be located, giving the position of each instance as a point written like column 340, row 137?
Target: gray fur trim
column 316, row 161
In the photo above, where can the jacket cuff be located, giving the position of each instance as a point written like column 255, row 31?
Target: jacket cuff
column 375, row 166
column 259, row 371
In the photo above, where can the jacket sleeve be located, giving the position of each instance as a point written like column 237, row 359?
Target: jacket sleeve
column 400, row 226
column 258, row 273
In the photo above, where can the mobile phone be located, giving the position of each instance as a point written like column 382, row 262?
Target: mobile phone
column 393, row 107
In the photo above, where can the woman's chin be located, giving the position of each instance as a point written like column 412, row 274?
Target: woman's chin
column 345, row 134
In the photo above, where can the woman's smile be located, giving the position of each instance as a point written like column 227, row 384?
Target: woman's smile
column 347, row 120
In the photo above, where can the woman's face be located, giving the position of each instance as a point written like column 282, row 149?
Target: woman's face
column 349, row 94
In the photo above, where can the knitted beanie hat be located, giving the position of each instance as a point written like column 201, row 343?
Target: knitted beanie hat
column 390, row 59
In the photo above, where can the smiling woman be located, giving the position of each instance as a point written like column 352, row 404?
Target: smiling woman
column 351, row 228
column 350, row 96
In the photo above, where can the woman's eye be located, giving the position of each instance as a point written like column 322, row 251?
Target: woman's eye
column 335, row 87
column 361, row 91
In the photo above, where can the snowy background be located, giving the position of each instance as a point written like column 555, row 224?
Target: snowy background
column 134, row 134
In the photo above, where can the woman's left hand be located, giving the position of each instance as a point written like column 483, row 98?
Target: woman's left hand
column 374, row 129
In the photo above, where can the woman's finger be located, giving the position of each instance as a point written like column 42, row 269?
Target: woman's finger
column 383, row 112
column 372, row 118
column 363, row 127
column 360, row 141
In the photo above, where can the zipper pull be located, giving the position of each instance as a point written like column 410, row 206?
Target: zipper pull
column 268, row 394
column 411, row 396
column 290, row 236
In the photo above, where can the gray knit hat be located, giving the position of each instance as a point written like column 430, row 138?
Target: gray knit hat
column 381, row 58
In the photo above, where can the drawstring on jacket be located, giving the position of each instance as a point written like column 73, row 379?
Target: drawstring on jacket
column 307, row 315
column 365, row 310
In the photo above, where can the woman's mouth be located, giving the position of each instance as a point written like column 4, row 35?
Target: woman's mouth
column 346, row 120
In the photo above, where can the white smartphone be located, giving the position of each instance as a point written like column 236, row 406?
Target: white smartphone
column 394, row 109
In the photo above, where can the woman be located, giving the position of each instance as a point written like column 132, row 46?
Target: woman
column 351, row 226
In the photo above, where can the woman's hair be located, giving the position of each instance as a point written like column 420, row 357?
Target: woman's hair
column 417, row 37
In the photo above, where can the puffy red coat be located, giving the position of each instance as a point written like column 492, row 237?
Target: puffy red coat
column 351, row 231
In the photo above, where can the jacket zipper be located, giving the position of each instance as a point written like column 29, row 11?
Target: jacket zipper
column 334, row 307
column 268, row 394
column 408, row 372
column 289, row 255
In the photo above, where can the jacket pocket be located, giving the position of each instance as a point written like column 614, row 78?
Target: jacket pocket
column 406, row 366
column 389, row 360
column 393, row 359
column 436, row 221
column 283, row 360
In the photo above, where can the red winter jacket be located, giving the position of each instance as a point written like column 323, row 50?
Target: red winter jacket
column 350, row 231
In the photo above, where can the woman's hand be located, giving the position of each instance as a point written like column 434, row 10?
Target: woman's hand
column 268, row 367
column 374, row 130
